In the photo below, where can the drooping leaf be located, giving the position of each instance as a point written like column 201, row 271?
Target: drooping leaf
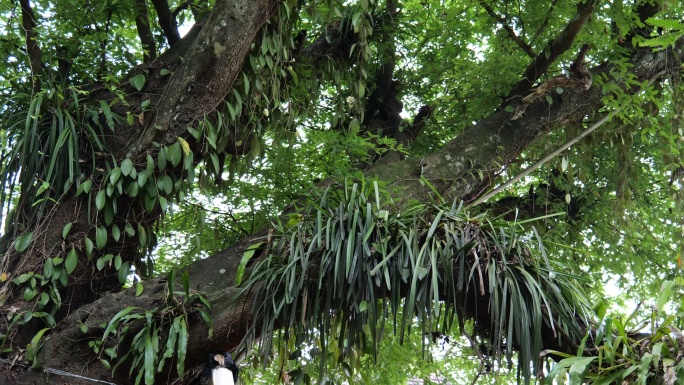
column 23, row 241
column 71, row 261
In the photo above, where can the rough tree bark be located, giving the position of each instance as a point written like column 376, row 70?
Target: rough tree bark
column 462, row 169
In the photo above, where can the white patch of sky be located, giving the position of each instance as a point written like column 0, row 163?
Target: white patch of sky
column 184, row 28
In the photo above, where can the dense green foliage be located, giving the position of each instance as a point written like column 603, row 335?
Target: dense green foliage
column 326, row 90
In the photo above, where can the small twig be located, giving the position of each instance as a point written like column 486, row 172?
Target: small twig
column 476, row 349
column 56, row 372
column 28, row 24
column 525, row 47
column 546, row 20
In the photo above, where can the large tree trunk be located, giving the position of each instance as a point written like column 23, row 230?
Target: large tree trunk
column 462, row 169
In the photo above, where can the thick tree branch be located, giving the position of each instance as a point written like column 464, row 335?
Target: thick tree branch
column 465, row 166
column 511, row 33
column 195, row 91
column 167, row 21
column 142, row 23
column 28, row 23
column 103, row 46
column 558, row 46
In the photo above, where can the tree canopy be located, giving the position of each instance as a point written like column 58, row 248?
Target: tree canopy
column 476, row 189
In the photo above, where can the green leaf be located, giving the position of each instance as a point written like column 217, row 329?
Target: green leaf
column 71, row 261
column 100, row 237
column 163, row 203
column 164, row 72
column 35, row 345
column 29, row 293
column 150, row 165
column 142, row 178
column 245, row 81
column 48, row 268
column 185, row 279
column 149, row 201
column 600, row 307
column 207, row 319
column 175, row 154
column 100, row 263
column 354, row 126
column 246, row 256
column 166, row 184
column 116, row 232
column 109, row 213
column 579, row 368
column 88, row 247
column 23, row 278
column 137, row 81
column 22, row 243
column 124, row 271
column 43, row 187
column 114, row 322
column 44, row 299
column 161, row 159
column 66, row 229
column 182, row 347
column 129, row 229
column 105, row 363
column 126, row 166
column 111, row 352
column 138, row 289
column 100, row 200
column 665, row 294
column 295, row 78
column 114, row 176
column 107, row 112
column 84, row 187
column 142, row 235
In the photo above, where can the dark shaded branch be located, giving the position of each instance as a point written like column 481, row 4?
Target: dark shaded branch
column 103, row 45
column 524, row 46
column 167, row 21
column 644, row 10
column 142, row 23
column 182, row 7
column 28, row 24
column 557, row 47
column 333, row 44
column 64, row 62
column 196, row 7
